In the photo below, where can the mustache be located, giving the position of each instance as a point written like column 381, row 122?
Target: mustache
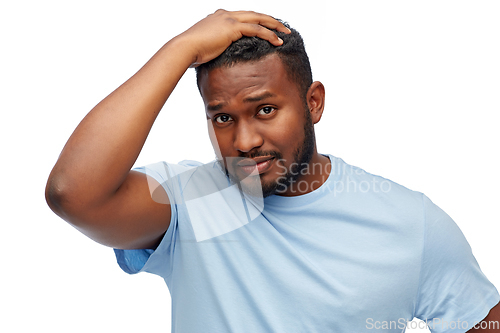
column 261, row 153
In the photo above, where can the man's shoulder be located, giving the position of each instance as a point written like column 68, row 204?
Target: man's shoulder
column 347, row 172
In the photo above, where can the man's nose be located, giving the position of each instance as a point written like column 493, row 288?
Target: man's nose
column 247, row 137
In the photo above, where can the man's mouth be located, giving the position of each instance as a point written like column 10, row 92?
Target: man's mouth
column 257, row 165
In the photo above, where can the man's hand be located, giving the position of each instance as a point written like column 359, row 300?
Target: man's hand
column 211, row 36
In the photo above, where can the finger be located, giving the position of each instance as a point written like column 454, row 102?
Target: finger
column 263, row 20
column 257, row 30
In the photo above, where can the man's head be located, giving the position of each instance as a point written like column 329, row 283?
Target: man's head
column 247, row 49
column 261, row 105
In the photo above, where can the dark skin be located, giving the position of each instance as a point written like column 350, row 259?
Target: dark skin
column 91, row 185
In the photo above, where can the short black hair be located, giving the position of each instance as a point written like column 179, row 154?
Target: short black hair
column 247, row 49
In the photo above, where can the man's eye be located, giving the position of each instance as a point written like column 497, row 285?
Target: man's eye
column 223, row 118
column 266, row 110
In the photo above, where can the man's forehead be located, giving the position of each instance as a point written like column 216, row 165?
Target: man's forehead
column 244, row 78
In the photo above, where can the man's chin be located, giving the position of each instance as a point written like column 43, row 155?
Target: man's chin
column 256, row 187
column 265, row 189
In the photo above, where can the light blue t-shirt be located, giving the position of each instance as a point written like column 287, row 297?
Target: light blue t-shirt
column 359, row 254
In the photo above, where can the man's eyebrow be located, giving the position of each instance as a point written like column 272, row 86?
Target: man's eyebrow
column 259, row 98
column 215, row 107
column 251, row 99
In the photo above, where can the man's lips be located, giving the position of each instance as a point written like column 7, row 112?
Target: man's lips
column 258, row 164
column 254, row 161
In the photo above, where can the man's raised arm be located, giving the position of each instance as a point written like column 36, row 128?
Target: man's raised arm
column 91, row 185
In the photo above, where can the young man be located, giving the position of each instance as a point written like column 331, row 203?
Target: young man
column 273, row 236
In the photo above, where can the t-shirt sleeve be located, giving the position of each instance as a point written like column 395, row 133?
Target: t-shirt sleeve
column 158, row 261
column 454, row 294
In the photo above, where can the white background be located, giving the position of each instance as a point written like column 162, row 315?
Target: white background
column 412, row 95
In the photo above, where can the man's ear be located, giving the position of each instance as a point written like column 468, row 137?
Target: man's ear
column 316, row 100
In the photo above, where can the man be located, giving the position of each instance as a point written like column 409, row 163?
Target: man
column 273, row 236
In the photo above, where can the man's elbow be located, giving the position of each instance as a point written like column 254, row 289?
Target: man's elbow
column 62, row 199
column 55, row 195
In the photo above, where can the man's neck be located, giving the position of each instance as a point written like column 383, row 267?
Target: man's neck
column 311, row 177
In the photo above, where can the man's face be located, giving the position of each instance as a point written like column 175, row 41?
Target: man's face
column 261, row 125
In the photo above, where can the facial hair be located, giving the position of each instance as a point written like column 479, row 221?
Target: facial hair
column 302, row 156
